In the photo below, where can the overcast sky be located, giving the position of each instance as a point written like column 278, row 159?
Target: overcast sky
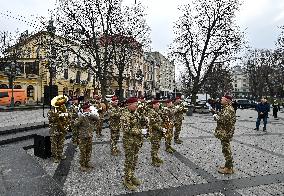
column 259, row 18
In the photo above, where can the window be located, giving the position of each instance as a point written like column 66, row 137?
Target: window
column 89, row 77
column 66, row 74
column 78, row 76
column 236, row 85
column 32, row 67
column 30, row 91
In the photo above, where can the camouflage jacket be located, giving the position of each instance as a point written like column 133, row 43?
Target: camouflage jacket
column 168, row 114
column 142, row 108
column 57, row 124
column 226, row 120
column 131, row 123
column 86, row 125
column 73, row 112
column 114, row 117
column 179, row 110
column 155, row 119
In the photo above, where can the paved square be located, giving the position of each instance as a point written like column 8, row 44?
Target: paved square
column 258, row 160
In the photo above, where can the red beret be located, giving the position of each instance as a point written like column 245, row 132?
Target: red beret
column 85, row 106
column 132, row 100
column 228, row 97
column 155, row 101
column 169, row 101
column 114, row 98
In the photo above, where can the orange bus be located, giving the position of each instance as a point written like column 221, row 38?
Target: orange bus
column 20, row 97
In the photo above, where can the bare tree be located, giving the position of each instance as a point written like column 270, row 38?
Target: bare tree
column 87, row 25
column 186, row 83
column 130, row 39
column 219, row 81
column 103, row 35
column 206, row 33
column 264, row 67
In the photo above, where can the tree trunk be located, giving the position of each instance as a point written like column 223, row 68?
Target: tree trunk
column 103, row 89
column 120, row 90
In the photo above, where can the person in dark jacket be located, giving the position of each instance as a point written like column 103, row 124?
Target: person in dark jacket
column 235, row 105
column 276, row 108
column 262, row 109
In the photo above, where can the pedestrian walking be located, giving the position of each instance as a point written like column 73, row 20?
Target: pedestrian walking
column 224, row 131
column 235, row 105
column 262, row 109
column 276, row 108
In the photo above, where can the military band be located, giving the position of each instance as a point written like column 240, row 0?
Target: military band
column 136, row 120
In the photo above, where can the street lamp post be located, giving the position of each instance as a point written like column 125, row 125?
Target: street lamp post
column 12, row 71
column 51, row 30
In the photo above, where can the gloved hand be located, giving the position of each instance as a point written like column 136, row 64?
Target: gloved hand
column 215, row 116
column 144, row 131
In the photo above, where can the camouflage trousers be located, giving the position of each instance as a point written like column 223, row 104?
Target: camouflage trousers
column 226, row 150
column 75, row 135
column 177, row 129
column 155, row 139
column 85, row 146
column 169, row 137
column 114, row 137
column 99, row 127
column 57, row 145
column 131, row 145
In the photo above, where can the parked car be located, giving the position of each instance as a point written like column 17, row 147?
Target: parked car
column 201, row 107
column 244, row 103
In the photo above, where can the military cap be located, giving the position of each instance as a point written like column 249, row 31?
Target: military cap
column 132, row 100
column 114, row 98
column 86, row 106
column 155, row 101
column 228, row 97
column 169, row 101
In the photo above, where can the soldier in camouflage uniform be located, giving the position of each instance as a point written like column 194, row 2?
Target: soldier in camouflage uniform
column 224, row 131
column 73, row 112
column 156, row 132
column 168, row 112
column 99, row 125
column 58, row 125
column 85, row 122
column 179, row 110
column 114, row 119
column 131, row 125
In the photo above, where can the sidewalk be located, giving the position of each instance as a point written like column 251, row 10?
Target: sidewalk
column 22, row 118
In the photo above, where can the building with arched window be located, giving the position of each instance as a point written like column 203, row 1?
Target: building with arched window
column 36, row 74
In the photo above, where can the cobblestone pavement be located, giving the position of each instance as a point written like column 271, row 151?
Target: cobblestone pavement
column 258, row 157
column 15, row 118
